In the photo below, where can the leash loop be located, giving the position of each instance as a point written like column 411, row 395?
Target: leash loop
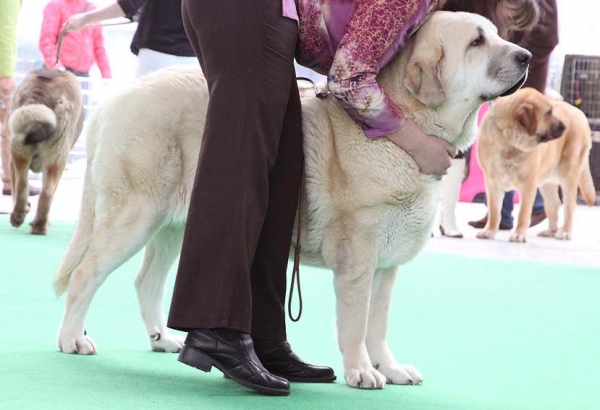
column 297, row 251
column 298, row 247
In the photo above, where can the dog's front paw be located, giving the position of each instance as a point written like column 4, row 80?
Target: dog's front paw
column 166, row 342
column 400, row 373
column 17, row 218
column 548, row 233
column 76, row 345
column 38, row 228
column 563, row 235
column 486, row 234
column 518, row 237
column 365, row 377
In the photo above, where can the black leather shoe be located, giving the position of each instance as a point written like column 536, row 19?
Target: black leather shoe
column 232, row 353
column 279, row 359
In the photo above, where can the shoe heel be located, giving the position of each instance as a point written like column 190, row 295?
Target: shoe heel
column 195, row 358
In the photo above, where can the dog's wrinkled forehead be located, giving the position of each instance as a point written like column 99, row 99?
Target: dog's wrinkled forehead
column 458, row 27
column 540, row 102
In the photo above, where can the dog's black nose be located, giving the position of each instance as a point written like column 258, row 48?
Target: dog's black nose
column 559, row 129
column 523, row 57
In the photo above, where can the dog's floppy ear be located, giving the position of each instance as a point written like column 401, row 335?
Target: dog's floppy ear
column 423, row 78
column 525, row 117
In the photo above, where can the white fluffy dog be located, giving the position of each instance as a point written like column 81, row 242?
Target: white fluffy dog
column 367, row 208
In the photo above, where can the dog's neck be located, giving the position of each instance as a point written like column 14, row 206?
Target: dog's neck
column 453, row 121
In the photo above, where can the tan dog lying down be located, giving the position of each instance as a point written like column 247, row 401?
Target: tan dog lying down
column 367, row 207
column 45, row 121
column 526, row 141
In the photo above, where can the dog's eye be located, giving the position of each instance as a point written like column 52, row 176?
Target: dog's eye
column 549, row 113
column 478, row 41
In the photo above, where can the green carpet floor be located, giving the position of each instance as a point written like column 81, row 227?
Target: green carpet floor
column 486, row 334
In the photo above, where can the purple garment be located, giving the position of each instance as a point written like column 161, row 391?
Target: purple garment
column 350, row 41
column 289, row 9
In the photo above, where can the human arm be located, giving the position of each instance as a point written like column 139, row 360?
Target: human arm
column 120, row 8
column 372, row 37
column 49, row 33
column 8, row 37
column 375, row 32
column 100, row 53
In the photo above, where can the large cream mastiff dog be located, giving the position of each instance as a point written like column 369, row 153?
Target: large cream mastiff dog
column 367, row 207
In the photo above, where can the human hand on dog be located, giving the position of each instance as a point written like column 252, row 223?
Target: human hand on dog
column 433, row 155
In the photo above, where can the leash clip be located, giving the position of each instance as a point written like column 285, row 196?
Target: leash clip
column 320, row 94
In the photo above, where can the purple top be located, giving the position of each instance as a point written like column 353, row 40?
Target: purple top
column 350, row 41
column 289, row 9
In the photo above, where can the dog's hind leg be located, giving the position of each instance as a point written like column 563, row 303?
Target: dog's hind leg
column 159, row 255
column 20, row 189
column 377, row 346
column 116, row 237
column 353, row 277
column 549, row 192
column 52, row 174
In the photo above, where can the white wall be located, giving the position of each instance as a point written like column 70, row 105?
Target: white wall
column 579, row 31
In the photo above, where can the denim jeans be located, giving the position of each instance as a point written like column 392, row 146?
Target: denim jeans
column 508, row 206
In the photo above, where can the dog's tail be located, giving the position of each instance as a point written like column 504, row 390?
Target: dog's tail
column 32, row 124
column 81, row 238
column 586, row 183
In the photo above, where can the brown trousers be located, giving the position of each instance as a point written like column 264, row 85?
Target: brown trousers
column 232, row 271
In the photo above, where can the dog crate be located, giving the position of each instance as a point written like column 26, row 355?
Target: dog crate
column 580, row 86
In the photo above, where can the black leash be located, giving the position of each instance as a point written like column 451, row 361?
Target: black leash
column 297, row 251
column 62, row 34
column 298, row 247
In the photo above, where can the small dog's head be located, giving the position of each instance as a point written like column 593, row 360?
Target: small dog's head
column 533, row 115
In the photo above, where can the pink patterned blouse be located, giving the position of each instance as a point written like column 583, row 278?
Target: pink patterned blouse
column 350, row 41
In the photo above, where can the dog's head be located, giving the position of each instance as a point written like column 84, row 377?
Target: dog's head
column 532, row 114
column 454, row 63
column 461, row 57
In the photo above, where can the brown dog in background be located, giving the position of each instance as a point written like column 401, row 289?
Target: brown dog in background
column 526, row 141
column 45, row 121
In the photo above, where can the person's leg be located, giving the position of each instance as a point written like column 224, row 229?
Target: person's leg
column 538, row 204
column 246, row 51
column 451, row 184
column 247, row 59
column 507, row 209
column 268, row 274
column 506, row 220
column 269, row 266
column 6, row 89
